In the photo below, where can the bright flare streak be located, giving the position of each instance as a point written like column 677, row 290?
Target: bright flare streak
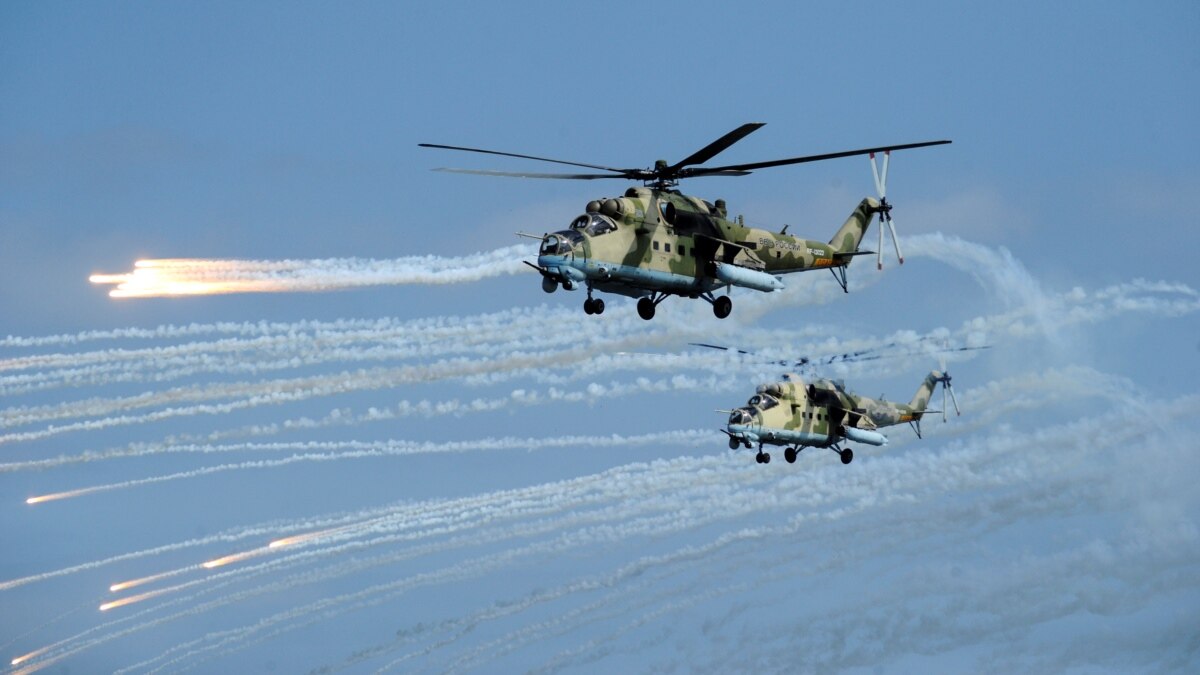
column 198, row 276
column 58, row 495
column 236, row 557
column 301, row 538
column 130, row 600
column 132, row 583
column 21, row 659
column 221, row 562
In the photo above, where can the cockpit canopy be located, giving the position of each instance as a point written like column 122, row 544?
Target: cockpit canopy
column 740, row 416
column 560, row 243
column 763, row 401
column 593, row 224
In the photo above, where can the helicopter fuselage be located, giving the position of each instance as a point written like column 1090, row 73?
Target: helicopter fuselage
column 651, row 243
column 822, row 415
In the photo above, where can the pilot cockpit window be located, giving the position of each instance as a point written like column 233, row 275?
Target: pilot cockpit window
column 560, row 243
column 763, row 401
column 594, row 224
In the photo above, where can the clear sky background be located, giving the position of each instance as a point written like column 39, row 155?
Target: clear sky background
column 1052, row 527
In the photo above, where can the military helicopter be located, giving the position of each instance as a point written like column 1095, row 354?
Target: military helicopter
column 654, row 241
column 824, row 414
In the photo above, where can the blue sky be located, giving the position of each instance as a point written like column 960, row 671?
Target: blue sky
column 1058, row 227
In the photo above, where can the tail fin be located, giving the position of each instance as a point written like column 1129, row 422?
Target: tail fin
column 920, row 400
column 847, row 239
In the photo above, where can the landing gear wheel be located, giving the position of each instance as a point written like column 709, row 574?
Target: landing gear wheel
column 588, row 307
column 790, row 455
column 733, row 443
column 646, row 308
column 766, row 458
column 847, row 456
column 759, row 457
column 597, row 306
column 722, row 306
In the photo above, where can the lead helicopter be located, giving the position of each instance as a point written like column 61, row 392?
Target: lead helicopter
column 654, row 241
column 824, row 414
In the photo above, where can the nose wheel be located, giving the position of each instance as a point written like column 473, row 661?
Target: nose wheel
column 763, row 457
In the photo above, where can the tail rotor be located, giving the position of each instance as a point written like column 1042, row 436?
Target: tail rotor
column 946, row 387
column 885, row 209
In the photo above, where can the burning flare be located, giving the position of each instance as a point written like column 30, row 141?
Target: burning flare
column 130, row 600
column 37, row 652
column 168, row 277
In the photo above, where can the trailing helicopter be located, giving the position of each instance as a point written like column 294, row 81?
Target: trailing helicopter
column 654, row 241
column 824, row 414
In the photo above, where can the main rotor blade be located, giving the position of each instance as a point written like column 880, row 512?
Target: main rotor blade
column 868, row 354
column 721, row 347
column 688, row 173
column 634, row 174
column 513, row 154
column 716, row 147
column 530, row 174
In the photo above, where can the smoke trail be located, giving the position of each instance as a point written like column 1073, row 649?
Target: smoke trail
column 936, row 471
column 175, row 277
column 685, row 438
column 927, row 476
column 993, row 401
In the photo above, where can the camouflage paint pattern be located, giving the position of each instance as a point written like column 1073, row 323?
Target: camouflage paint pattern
column 816, row 415
column 659, row 240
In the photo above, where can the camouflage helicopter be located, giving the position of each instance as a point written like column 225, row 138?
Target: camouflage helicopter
column 654, row 241
column 824, row 414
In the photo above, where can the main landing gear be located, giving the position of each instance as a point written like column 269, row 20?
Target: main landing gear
column 593, row 306
column 722, row 305
column 648, row 304
column 790, row 454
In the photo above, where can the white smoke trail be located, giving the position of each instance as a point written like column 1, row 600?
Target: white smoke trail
column 684, row 438
column 935, row 475
column 1141, row 309
column 994, row 401
column 887, row 532
column 173, row 277
column 641, row 572
column 791, row 490
column 1071, row 308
